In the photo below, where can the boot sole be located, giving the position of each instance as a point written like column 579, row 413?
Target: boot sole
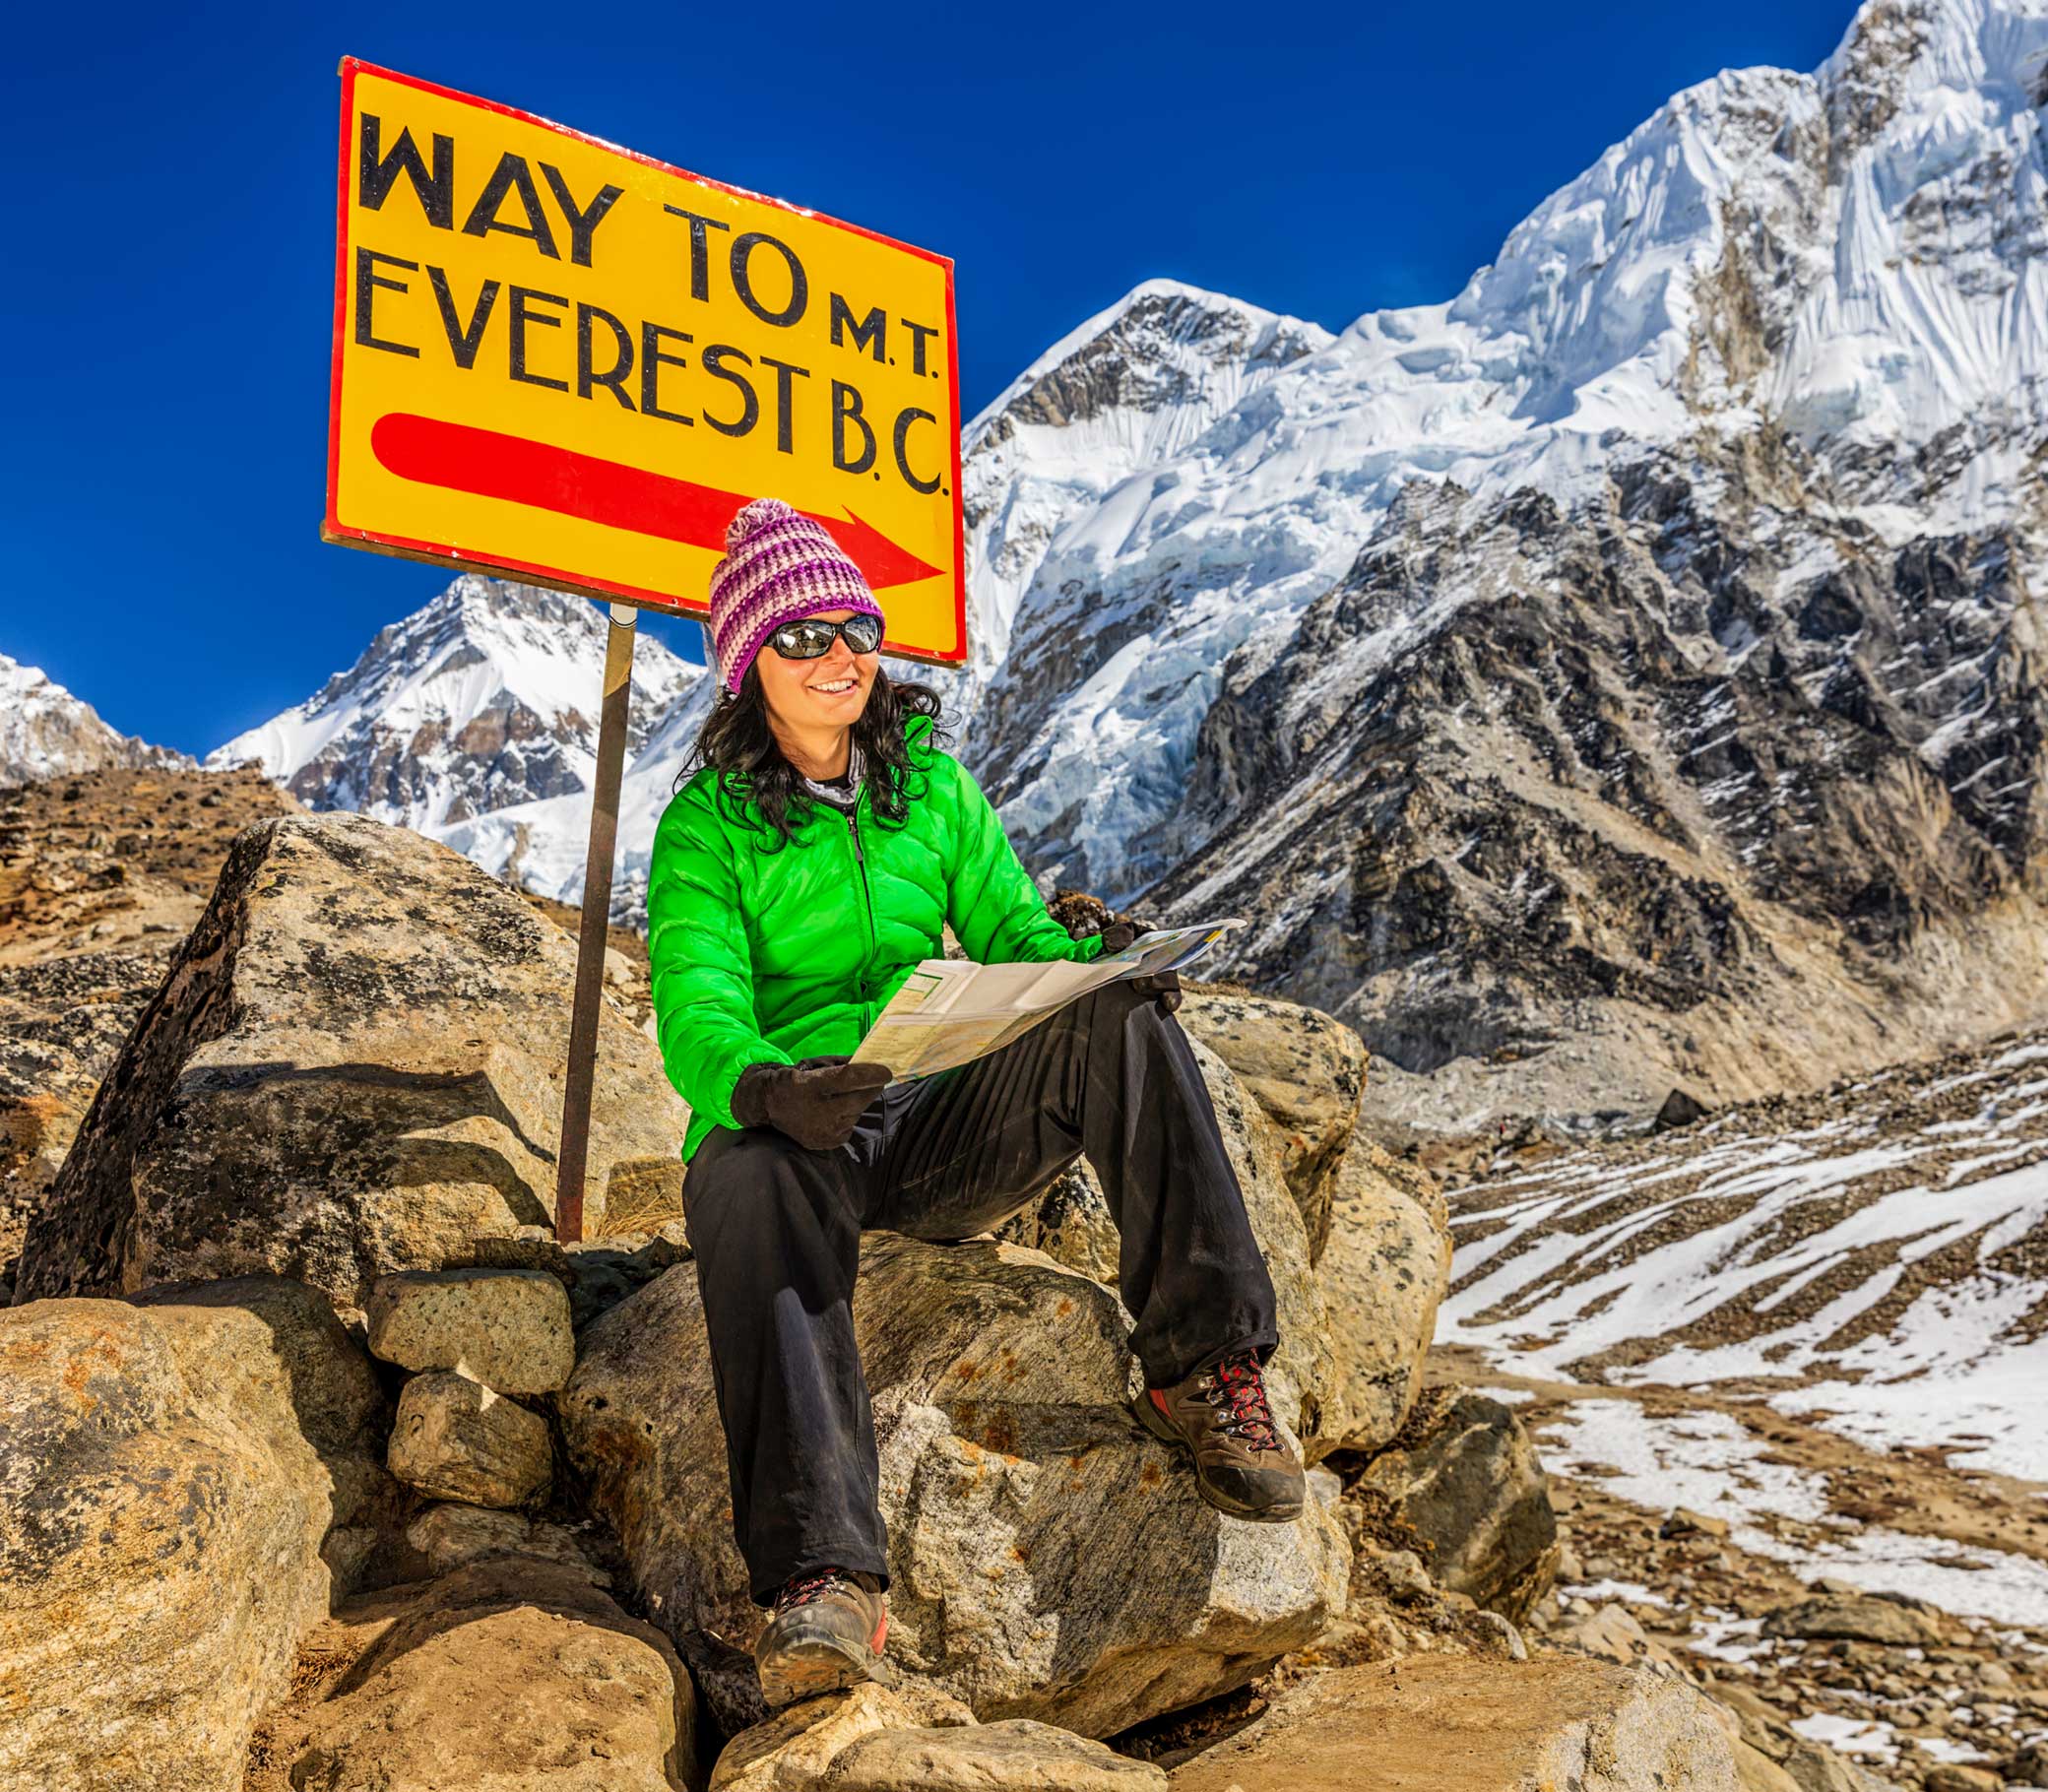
column 1154, row 1422
column 811, row 1665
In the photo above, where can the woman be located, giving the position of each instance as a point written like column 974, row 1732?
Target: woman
column 797, row 880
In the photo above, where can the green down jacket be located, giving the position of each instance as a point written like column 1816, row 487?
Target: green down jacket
column 775, row 956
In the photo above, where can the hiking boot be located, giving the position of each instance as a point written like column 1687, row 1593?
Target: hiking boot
column 1243, row 1465
column 826, row 1633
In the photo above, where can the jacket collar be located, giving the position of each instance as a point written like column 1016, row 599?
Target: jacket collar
column 914, row 730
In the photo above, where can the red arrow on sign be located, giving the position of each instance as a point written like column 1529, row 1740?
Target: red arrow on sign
column 459, row 457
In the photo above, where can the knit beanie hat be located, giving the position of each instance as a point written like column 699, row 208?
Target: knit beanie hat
column 779, row 567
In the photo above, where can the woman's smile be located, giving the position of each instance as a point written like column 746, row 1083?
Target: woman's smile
column 837, row 685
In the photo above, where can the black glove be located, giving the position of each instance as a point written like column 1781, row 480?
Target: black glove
column 815, row 1101
column 1166, row 985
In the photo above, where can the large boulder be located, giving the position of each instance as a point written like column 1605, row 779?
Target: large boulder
column 1450, row 1723
column 1881, row 1618
column 453, row 1534
column 791, row 1750
column 1072, row 1224
column 1048, row 1557
column 498, row 1677
column 1466, row 1478
column 1012, row 1756
column 168, row 1476
column 1386, row 1268
column 1412, row 1176
column 598, row 1273
column 353, row 1065
column 267, row 1355
column 1301, row 1371
column 1306, row 1070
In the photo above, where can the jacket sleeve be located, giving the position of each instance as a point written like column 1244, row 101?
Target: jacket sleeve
column 991, row 905
column 703, row 984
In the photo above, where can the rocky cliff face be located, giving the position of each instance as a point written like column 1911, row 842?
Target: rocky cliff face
column 1703, row 783
column 1628, row 670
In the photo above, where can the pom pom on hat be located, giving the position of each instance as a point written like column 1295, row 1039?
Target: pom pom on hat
column 780, row 567
column 752, row 518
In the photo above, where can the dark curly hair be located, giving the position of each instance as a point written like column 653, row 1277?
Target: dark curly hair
column 737, row 739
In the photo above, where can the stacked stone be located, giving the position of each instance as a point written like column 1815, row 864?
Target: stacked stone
column 473, row 1338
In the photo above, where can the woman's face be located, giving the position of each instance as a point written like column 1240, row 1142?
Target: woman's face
column 822, row 692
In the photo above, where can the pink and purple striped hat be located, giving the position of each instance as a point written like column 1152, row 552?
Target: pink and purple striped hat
column 779, row 566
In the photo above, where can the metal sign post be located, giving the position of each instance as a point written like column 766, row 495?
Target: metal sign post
column 597, row 917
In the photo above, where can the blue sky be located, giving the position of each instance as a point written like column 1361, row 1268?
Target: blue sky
column 170, row 227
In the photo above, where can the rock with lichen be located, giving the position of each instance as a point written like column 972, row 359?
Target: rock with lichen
column 1048, row 1559
column 353, row 1066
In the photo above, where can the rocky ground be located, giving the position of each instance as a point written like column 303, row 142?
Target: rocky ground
column 1563, row 810
column 1873, row 1253
column 1815, row 1324
column 293, row 1298
column 1738, row 1600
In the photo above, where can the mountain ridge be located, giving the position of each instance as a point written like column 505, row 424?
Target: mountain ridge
column 484, row 698
column 1506, row 656
column 45, row 732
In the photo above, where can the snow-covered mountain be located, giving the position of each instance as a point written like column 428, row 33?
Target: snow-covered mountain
column 1849, row 258
column 541, row 845
column 484, row 700
column 1134, row 387
column 1627, row 672
column 45, row 732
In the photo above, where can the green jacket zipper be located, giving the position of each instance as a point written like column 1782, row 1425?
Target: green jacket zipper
column 866, row 904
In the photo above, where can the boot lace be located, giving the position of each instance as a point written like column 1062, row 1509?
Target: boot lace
column 805, row 1589
column 1237, row 1391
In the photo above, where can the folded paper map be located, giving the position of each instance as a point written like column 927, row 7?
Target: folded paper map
column 951, row 1011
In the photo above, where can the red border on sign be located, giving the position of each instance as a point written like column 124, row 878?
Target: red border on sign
column 332, row 527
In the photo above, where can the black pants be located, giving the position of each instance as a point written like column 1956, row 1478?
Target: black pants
column 775, row 1230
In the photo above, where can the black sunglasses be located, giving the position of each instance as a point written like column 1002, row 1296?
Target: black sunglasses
column 811, row 637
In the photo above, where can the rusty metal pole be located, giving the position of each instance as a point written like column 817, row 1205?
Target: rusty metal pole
column 597, row 914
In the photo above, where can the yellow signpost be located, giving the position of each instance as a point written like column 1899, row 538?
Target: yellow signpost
column 563, row 362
